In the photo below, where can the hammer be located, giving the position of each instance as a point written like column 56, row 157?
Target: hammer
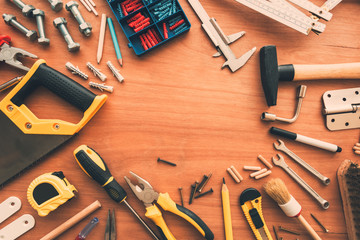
column 272, row 73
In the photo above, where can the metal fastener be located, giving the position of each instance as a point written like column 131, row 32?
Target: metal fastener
column 84, row 27
column 115, row 72
column 275, row 233
column 11, row 20
column 75, row 70
column 204, row 182
column 101, row 86
column 204, row 193
column 28, row 125
column 27, row 10
column 96, row 71
column 321, row 225
column 164, row 161
column 39, row 15
column 288, row 231
column 181, row 196
column 60, row 23
column 193, row 189
column 56, row 5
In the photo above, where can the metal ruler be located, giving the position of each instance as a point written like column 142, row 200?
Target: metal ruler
column 287, row 14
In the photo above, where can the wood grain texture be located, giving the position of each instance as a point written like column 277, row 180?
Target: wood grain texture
column 176, row 103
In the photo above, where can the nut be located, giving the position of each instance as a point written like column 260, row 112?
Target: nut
column 8, row 18
column 70, row 4
column 72, row 47
column 32, row 35
column 58, row 21
column 85, row 28
column 38, row 12
column 44, row 41
column 28, row 10
column 56, row 5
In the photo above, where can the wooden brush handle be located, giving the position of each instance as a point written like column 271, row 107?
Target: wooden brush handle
column 307, row 226
column 330, row 71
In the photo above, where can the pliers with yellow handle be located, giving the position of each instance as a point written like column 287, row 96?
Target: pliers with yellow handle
column 145, row 193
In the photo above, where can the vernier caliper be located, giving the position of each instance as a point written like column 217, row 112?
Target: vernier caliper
column 220, row 40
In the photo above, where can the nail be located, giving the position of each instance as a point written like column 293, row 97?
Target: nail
column 321, row 225
column 275, row 233
column 204, row 193
column 181, row 196
column 288, row 231
column 164, row 161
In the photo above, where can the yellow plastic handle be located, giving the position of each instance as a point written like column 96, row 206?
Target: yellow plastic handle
column 155, row 215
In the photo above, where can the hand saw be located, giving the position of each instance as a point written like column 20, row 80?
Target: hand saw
column 26, row 139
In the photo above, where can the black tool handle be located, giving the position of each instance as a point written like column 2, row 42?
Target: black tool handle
column 95, row 167
column 59, row 84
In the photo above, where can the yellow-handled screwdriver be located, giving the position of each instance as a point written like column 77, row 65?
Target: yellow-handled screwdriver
column 95, row 167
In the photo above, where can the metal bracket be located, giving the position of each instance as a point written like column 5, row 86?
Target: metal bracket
column 17, row 227
column 341, row 108
column 9, row 207
column 220, row 40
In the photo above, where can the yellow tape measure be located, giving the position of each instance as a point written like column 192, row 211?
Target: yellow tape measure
column 48, row 191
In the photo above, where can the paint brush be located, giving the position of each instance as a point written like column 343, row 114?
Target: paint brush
column 277, row 190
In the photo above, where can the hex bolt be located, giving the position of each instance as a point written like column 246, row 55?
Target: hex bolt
column 39, row 15
column 60, row 23
column 56, row 5
column 26, row 9
column 11, row 20
column 84, row 27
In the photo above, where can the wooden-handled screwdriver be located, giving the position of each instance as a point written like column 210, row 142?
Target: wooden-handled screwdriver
column 95, row 167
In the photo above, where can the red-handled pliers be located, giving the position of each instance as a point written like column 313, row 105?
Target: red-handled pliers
column 10, row 54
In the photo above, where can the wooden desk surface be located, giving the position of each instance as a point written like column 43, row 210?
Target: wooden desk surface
column 176, row 103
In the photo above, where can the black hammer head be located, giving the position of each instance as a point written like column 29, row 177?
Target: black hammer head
column 269, row 73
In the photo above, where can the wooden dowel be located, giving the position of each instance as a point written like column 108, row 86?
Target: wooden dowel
column 72, row 221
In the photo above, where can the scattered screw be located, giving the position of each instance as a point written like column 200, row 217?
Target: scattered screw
column 164, row 161
column 84, row 27
column 60, row 23
column 204, row 193
column 288, row 231
column 27, row 10
column 193, row 191
column 275, row 233
column 39, row 15
column 75, row 70
column 56, row 5
column 321, row 225
column 203, row 182
column 11, row 20
column 101, row 86
column 96, row 71
column 115, row 72
column 181, row 196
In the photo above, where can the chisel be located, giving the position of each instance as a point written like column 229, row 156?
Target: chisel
column 95, row 167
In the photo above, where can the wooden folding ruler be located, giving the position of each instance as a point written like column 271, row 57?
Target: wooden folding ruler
column 287, row 14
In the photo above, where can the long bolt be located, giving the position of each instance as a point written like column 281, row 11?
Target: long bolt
column 11, row 20
column 60, row 23
column 84, row 27
column 204, row 193
column 39, row 15
column 26, row 9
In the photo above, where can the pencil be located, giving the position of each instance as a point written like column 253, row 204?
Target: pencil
column 115, row 42
column 226, row 211
column 101, row 38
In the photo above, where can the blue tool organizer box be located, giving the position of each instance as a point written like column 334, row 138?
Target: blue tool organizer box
column 148, row 10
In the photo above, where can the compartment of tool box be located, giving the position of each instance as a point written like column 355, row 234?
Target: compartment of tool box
column 172, row 20
column 136, row 43
column 151, row 10
column 126, row 24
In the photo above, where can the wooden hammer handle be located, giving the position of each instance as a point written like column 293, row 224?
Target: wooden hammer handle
column 329, row 71
column 307, row 226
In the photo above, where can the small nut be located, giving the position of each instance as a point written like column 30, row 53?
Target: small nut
column 56, row 5
column 58, row 21
column 8, row 18
column 70, row 4
column 85, row 28
column 38, row 12
column 27, row 10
